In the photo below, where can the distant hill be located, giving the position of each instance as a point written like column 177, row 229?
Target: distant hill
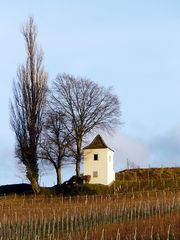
column 21, row 188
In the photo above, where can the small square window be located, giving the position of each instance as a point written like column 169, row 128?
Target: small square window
column 95, row 157
column 95, row 174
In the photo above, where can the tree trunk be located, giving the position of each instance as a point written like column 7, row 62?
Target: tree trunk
column 35, row 185
column 33, row 178
column 78, row 158
column 58, row 173
column 78, row 167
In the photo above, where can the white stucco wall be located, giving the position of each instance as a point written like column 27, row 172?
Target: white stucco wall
column 104, row 165
column 110, row 166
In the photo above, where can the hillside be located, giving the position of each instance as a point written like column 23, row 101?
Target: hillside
column 148, row 173
column 127, row 181
column 147, row 179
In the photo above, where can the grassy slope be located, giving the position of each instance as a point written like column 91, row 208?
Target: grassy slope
column 148, row 173
column 127, row 181
column 132, row 180
column 147, row 179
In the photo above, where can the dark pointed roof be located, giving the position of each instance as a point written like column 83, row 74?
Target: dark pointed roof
column 97, row 143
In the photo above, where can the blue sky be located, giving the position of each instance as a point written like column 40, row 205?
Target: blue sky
column 133, row 46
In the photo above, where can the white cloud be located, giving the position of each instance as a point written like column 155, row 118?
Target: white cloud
column 162, row 150
column 165, row 149
column 127, row 147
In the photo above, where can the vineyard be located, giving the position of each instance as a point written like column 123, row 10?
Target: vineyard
column 135, row 207
column 148, row 215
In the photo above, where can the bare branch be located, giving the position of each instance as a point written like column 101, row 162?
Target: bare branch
column 27, row 107
column 55, row 141
column 87, row 106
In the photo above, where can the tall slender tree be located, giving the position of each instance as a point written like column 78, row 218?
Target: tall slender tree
column 27, row 107
column 87, row 107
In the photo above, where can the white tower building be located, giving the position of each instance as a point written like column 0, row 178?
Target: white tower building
column 98, row 162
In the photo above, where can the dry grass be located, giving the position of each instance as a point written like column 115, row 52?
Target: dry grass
column 149, row 179
column 144, row 215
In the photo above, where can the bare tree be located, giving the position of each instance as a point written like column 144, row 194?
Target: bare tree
column 27, row 107
column 55, row 142
column 87, row 106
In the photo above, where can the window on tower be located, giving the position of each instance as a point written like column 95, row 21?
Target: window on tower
column 95, row 174
column 95, row 157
